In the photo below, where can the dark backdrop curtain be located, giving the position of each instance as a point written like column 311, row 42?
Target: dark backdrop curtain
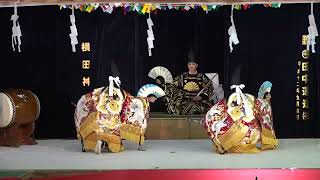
column 270, row 45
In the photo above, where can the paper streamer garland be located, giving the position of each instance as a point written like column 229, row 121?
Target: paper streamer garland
column 142, row 8
column 146, row 8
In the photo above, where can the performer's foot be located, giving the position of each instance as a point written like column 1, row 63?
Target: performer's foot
column 83, row 149
column 98, row 147
column 82, row 146
column 140, row 148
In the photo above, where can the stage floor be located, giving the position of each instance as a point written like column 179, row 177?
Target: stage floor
column 159, row 154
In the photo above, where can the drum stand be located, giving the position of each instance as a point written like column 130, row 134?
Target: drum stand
column 16, row 135
column 7, row 137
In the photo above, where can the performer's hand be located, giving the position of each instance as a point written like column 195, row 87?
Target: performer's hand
column 197, row 98
column 152, row 99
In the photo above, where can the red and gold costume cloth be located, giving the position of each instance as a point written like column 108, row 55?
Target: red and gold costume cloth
column 243, row 124
column 110, row 119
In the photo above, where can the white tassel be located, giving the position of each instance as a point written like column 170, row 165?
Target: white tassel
column 16, row 30
column 111, row 84
column 240, row 96
column 74, row 32
column 233, row 37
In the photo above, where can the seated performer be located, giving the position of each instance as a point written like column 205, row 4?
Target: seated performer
column 197, row 88
column 173, row 96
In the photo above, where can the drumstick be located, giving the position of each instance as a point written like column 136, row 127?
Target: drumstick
column 207, row 84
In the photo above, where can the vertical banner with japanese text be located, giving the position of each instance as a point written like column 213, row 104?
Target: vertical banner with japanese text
column 302, row 86
column 85, row 63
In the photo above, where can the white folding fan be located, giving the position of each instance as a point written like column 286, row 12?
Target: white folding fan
column 161, row 71
column 214, row 78
column 148, row 89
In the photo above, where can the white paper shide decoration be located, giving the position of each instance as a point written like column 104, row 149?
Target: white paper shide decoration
column 313, row 32
column 16, row 31
column 150, row 37
column 74, row 32
column 233, row 37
